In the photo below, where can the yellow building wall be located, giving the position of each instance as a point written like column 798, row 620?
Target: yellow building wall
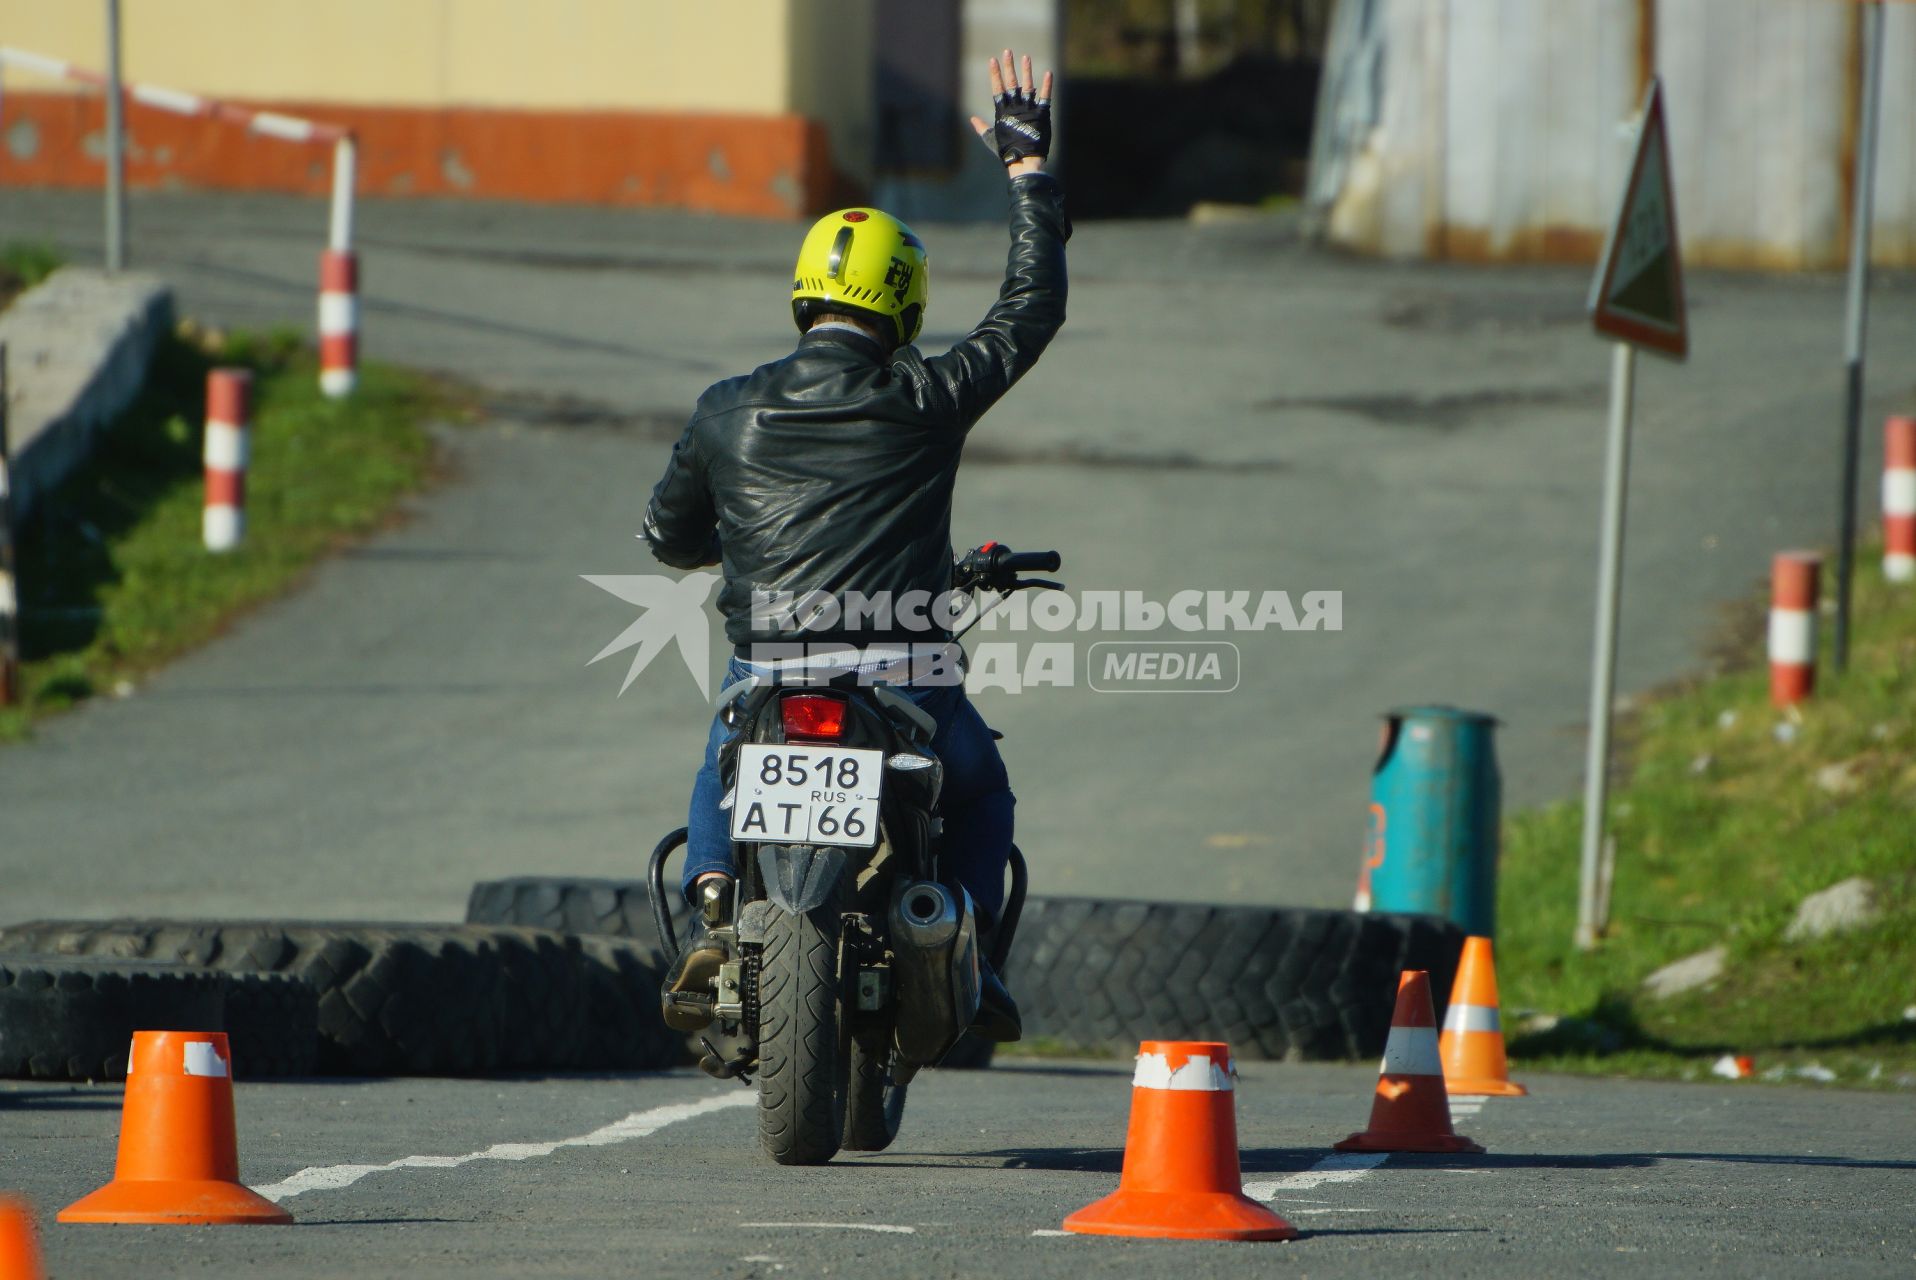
column 635, row 54
column 399, row 65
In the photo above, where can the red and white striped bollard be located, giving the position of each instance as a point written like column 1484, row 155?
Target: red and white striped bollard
column 338, row 322
column 229, row 420
column 1793, row 591
column 1899, row 499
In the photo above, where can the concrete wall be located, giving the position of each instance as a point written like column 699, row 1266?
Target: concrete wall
column 562, row 99
column 78, row 348
column 1497, row 129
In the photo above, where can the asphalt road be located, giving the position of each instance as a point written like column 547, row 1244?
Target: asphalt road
column 1225, row 410
column 1584, row 1178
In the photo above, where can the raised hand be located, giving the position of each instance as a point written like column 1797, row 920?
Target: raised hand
column 1020, row 133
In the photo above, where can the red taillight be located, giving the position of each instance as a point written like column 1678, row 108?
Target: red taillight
column 812, row 718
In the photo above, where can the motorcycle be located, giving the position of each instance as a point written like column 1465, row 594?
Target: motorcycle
column 852, row 963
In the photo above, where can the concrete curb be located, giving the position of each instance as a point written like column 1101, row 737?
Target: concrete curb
column 78, row 349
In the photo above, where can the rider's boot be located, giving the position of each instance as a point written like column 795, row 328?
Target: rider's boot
column 997, row 1017
column 690, row 990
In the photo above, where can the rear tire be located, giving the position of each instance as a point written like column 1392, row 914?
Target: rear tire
column 874, row 1106
column 802, row 1073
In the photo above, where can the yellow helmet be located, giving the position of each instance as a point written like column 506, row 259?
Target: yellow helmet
column 867, row 263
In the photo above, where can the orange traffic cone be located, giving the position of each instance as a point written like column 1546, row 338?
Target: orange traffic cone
column 1472, row 1045
column 1411, row 1111
column 179, row 1156
column 19, row 1249
column 1181, row 1173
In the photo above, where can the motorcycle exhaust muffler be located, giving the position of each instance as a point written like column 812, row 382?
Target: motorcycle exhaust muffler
column 934, row 936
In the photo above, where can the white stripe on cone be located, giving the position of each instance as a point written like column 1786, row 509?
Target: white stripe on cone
column 9, row 602
column 1197, row 1073
column 1898, row 567
column 336, row 382
column 203, row 1059
column 1472, row 1017
column 1792, row 636
column 1411, row 1051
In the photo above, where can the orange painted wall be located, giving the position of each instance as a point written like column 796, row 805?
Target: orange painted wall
column 767, row 166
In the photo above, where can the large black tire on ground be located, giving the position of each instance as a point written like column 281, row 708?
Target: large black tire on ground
column 598, row 911
column 272, row 1025
column 621, row 997
column 620, row 908
column 398, row 999
column 802, row 1067
column 63, row 1018
column 623, row 908
column 1275, row 982
column 1095, row 973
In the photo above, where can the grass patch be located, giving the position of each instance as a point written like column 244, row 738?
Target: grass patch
column 1732, row 813
column 114, row 579
column 23, row 264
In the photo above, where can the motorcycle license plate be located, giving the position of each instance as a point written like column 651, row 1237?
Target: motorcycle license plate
column 807, row 795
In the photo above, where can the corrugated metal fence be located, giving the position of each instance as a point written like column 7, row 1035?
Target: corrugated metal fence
column 1499, row 129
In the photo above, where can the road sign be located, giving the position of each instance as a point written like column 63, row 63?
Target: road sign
column 1637, row 295
column 1637, row 299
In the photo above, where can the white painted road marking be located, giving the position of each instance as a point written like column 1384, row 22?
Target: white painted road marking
column 640, row 1124
column 1289, row 1212
column 841, row 1226
column 1341, row 1167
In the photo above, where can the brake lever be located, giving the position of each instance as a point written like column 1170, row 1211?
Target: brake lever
column 1043, row 584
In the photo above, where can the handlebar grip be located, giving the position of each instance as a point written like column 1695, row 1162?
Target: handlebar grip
column 1031, row 562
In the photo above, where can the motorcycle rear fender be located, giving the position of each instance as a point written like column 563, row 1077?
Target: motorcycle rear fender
column 799, row 877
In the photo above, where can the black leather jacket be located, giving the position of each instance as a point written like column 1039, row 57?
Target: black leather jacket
column 831, row 470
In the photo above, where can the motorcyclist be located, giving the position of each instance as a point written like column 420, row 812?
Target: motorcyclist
column 831, row 471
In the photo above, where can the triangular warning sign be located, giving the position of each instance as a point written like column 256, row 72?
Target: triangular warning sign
column 1637, row 294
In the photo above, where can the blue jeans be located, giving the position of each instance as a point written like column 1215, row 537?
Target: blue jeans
column 976, row 799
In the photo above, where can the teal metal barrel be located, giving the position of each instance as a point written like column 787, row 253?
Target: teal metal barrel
column 1436, row 798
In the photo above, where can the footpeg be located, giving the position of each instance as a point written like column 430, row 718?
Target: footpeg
column 719, row 1067
column 688, row 1010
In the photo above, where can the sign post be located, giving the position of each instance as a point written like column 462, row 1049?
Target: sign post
column 1636, row 297
column 115, row 145
column 1855, row 322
